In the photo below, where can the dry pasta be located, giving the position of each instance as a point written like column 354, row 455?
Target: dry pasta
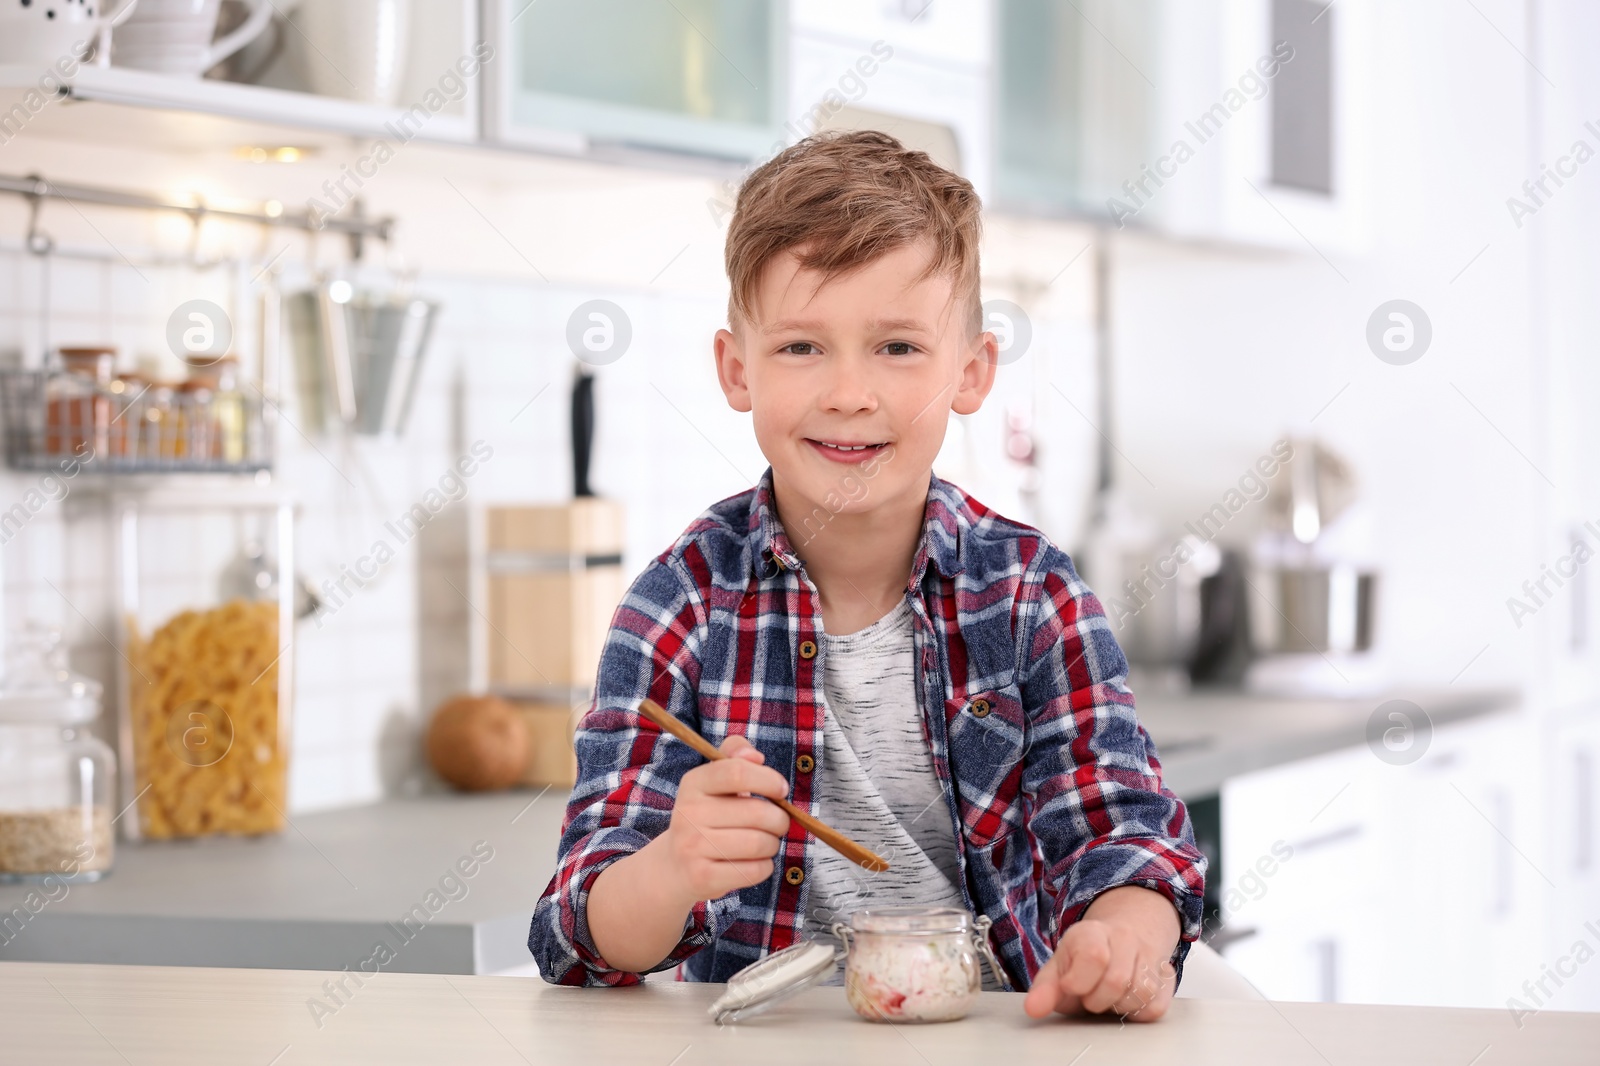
column 203, row 695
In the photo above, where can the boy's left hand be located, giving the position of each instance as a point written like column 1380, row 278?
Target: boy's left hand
column 1116, row 958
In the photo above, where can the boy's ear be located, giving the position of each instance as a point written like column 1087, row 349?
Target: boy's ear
column 976, row 373
column 731, row 370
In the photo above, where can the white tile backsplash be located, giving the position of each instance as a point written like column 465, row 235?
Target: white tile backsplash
column 498, row 371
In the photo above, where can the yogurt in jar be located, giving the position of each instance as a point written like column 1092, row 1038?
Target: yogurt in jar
column 911, row 964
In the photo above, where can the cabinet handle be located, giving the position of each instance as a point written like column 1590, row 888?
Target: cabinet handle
column 1229, row 935
column 1504, row 871
column 1578, row 638
column 1333, row 836
column 1583, row 820
column 1327, row 970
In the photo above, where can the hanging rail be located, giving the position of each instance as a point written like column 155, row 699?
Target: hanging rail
column 36, row 188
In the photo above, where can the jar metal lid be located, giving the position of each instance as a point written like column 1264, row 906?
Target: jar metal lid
column 773, row 979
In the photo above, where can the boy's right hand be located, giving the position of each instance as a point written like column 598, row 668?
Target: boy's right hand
column 723, row 836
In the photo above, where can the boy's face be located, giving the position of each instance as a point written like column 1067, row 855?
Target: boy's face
column 874, row 358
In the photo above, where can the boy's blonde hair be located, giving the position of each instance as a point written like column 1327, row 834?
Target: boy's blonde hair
column 837, row 201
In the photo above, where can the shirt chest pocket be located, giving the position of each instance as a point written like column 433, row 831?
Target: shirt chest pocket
column 988, row 737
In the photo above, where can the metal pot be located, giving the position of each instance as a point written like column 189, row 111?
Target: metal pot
column 1313, row 609
column 1152, row 599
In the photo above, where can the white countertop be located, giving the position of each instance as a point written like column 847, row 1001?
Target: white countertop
column 69, row 1015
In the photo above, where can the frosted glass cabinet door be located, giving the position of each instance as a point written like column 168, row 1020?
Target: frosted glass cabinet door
column 698, row 76
column 1074, row 114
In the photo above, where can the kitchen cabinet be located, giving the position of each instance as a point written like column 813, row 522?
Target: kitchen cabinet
column 136, row 107
column 1295, row 922
column 1416, row 884
column 701, row 77
column 917, row 69
column 1462, row 868
column 947, row 33
column 937, row 108
column 1191, row 119
column 1076, row 113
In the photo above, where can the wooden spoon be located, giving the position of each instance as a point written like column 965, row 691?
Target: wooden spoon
column 828, row 835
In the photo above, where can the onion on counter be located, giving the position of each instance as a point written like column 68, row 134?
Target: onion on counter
column 478, row 743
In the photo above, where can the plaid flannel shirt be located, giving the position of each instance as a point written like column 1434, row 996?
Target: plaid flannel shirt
column 1051, row 784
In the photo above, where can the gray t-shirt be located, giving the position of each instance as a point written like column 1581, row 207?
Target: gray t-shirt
column 875, row 780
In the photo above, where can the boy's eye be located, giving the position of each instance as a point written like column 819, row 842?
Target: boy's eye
column 800, row 348
column 899, row 348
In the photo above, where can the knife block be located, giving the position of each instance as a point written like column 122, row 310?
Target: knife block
column 551, row 760
column 554, row 578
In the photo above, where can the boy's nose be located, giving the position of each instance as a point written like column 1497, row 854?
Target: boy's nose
column 848, row 387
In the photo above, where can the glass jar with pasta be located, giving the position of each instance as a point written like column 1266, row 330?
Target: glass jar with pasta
column 207, row 665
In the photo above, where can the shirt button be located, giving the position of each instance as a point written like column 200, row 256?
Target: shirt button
column 808, row 649
column 980, row 708
column 805, row 764
column 794, row 875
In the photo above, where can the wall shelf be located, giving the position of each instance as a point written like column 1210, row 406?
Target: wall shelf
column 201, row 107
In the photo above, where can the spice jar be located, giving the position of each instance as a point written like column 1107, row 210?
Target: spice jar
column 56, row 780
column 901, row 964
column 77, row 410
column 127, row 414
column 194, row 423
column 157, row 437
column 229, row 406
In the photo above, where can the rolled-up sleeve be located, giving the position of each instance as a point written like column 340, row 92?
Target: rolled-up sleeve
column 1101, row 814
column 627, row 778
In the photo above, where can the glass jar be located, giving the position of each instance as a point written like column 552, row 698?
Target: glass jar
column 901, row 964
column 77, row 414
column 230, row 411
column 912, row 964
column 127, row 414
column 158, row 436
column 194, row 422
column 56, row 779
column 208, row 660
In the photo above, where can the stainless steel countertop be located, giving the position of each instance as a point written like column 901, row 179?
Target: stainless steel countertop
column 318, row 896
column 323, row 893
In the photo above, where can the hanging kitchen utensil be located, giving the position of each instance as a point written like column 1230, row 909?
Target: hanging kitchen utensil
column 41, row 245
column 253, row 575
column 358, row 355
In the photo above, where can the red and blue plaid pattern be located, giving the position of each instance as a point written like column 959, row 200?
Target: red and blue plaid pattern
column 1050, row 781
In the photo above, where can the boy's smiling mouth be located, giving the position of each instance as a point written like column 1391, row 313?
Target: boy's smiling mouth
column 843, row 451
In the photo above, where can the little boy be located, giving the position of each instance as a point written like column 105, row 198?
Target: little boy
column 864, row 638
